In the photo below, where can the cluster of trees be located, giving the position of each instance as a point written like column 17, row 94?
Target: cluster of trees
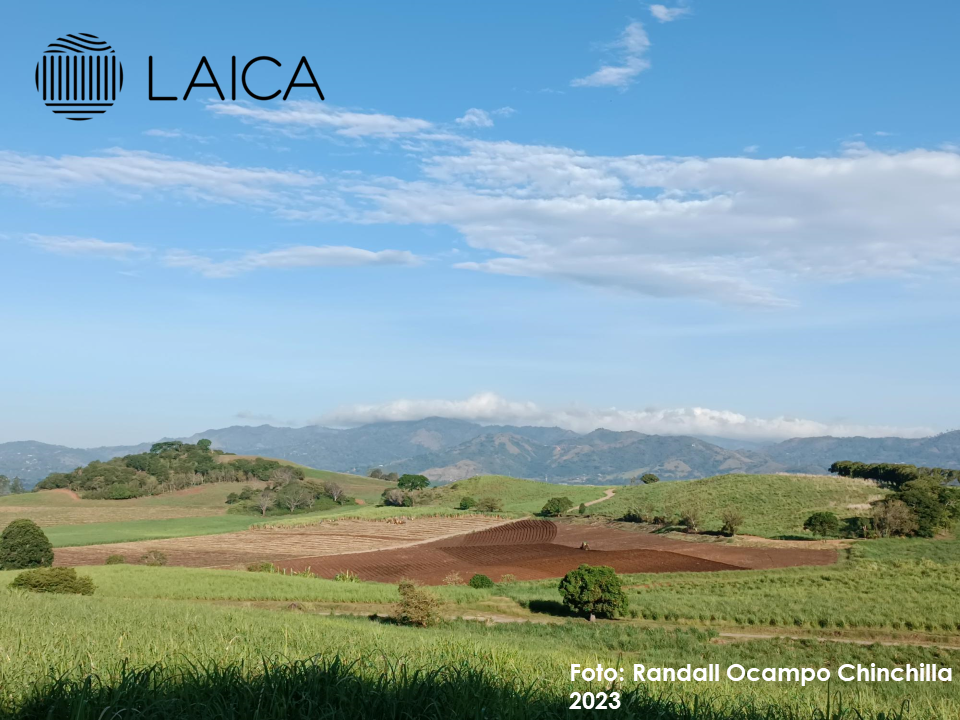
column 407, row 492
column 645, row 479
column 484, row 504
column 11, row 487
column 378, row 474
column 920, row 505
column 288, row 496
column 168, row 466
column 892, row 475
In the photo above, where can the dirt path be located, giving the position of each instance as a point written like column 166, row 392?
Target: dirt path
column 599, row 500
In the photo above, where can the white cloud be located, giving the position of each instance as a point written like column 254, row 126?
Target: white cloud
column 751, row 149
column 127, row 171
column 316, row 115
column 631, row 48
column 175, row 134
column 732, row 229
column 475, row 117
column 490, row 408
column 665, row 14
column 68, row 245
column 303, row 256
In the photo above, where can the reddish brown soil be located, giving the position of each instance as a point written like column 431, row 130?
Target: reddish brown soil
column 539, row 549
column 68, row 492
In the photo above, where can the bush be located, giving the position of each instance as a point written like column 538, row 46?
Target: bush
column 233, row 498
column 23, row 545
column 154, row 558
column 582, row 509
column 556, row 506
column 649, row 479
column 453, row 578
column 467, row 502
column 690, row 520
column 594, row 591
column 115, row 560
column 732, row 520
column 508, row 578
column 263, row 567
column 417, row 606
column 489, row 504
column 53, row 580
column 246, row 493
column 822, row 524
column 634, row 515
column 346, row 576
column 393, row 497
column 480, row 582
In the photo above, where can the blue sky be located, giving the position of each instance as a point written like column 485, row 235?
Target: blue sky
column 733, row 219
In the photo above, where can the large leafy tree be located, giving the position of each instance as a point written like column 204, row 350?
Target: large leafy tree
column 594, row 592
column 557, row 506
column 823, row 524
column 24, row 545
column 413, row 482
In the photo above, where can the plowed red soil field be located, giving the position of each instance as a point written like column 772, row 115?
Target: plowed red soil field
column 540, row 549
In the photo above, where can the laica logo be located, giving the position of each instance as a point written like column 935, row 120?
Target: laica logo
column 79, row 76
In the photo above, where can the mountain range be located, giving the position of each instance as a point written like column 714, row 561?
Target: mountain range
column 446, row 450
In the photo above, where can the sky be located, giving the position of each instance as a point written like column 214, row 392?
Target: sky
column 737, row 219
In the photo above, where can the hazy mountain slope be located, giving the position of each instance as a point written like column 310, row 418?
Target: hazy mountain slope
column 817, row 454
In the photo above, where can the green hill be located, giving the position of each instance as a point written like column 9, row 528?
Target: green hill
column 516, row 495
column 772, row 505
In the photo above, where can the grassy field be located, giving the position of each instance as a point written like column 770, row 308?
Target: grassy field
column 523, row 496
column 772, row 505
column 166, row 626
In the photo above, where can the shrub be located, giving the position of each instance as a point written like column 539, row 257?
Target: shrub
column 508, row 578
column 154, row 558
column 246, row 493
column 23, row 545
column 634, row 515
column 649, row 479
column 594, row 591
column 263, row 567
column 346, row 576
column 489, row 504
column 582, row 509
column 480, row 582
column 53, row 580
column 115, row 560
column 690, row 520
column 556, row 506
column 467, row 502
column 732, row 520
column 822, row 524
column 453, row 578
column 233, row 498
column 393, row 497
column 376, row 473
column 417, row 606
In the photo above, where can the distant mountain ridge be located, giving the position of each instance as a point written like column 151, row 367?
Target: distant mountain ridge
column 446, row 450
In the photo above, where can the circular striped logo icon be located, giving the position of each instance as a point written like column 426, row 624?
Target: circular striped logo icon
column 79, row 76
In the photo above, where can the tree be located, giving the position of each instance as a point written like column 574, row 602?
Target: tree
column 479, row 582
column 555, row 507
column 467, row 502
column 294, row 495
column 334, row 491
column 594, row 592
column 4, row 485
column 489, row 504
column 393, row 497
column 264, row 501
column 649, row 479
column 582, row 509
column 925, row 497
column 391, row 477
column 822, row 523
column 413, row 482
column 376, row 473
column 204, row 445
column 732, row 520
column 690, row 519
column 24, row 545
column 894, row 518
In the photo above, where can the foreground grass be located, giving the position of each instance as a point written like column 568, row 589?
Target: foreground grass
column 209, row 659
column 772, row 505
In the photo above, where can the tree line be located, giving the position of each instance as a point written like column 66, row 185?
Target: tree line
column 921, row 504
